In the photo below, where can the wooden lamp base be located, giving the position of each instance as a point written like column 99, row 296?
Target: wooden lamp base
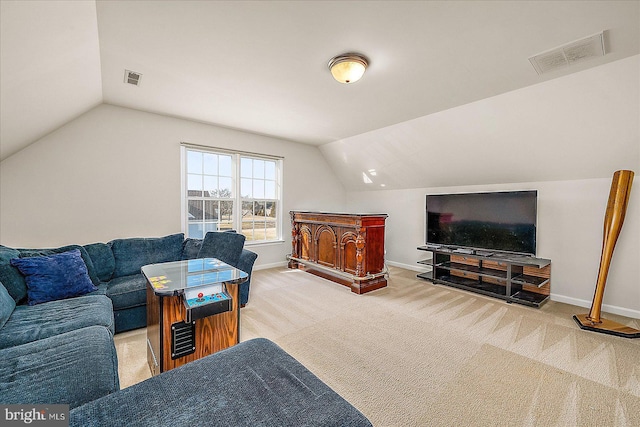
column 606, row 327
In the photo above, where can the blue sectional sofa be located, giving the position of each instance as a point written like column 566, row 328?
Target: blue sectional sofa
column 58, row 348
column 51, row 342
column 114, row 268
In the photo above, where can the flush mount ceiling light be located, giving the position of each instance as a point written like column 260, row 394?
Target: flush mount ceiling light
column 348, row 68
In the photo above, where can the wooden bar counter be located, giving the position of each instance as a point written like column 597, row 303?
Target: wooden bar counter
column 345, row 248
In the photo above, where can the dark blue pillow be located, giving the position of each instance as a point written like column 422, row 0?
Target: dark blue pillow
column 25, row 253
column 54, row 277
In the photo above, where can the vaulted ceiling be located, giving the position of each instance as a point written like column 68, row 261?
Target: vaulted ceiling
column 262, row 66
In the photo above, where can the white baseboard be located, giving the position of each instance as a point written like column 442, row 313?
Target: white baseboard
column 284, row 264
column 613, row 309
column 405, row 266
column 272, row 265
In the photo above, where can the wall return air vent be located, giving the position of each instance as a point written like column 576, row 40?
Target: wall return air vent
column 132, row 77
column 570, row 53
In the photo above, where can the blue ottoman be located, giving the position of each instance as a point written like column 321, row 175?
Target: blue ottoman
column 254, row 383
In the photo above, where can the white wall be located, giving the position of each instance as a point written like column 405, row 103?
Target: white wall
column 570, row 223
column 564, row 137
column 115, row 172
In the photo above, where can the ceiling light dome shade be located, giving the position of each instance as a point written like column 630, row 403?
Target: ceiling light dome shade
column 348, row 68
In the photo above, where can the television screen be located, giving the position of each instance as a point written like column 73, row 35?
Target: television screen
column 499, row 221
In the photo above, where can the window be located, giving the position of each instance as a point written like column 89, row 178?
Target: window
column 226, row 190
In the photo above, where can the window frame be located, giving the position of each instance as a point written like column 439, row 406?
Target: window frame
column 237, row 198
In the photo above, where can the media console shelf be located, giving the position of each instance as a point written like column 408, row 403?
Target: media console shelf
column 513, row 278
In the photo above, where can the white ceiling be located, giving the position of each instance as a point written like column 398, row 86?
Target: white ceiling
column 580, row 126
column 261, row 66
column 49, row 68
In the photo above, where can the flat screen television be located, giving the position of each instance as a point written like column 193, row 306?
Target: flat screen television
column 495, row 221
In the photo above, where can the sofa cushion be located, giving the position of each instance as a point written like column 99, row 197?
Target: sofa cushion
column 26, row 253
column 102, row 289
column 130, row 318
column 254, row 383
column 191, row 248
column 54, row 277
column 131, row 254
column 224, row 246
column 10, row 276
column 71, row 368
column 32, row 323
column 127, row 291
column 103, row 260
column 7, row 305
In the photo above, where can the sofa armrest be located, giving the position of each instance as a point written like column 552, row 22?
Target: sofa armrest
column 71, row 368
column 245, row 263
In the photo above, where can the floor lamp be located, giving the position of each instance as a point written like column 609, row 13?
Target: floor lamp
column 613, row 219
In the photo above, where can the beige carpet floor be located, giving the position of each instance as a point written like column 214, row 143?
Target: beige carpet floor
column 417, row 354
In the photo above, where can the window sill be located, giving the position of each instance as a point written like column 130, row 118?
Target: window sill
column 270, row 242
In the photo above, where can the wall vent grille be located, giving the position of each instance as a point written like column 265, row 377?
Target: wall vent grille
column 132, row 77
column 570, row 53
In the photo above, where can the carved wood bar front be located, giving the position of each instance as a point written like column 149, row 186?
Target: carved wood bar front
column 345, row 248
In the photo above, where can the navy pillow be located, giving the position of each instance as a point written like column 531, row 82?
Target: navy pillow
column 54, row 277
column 24, row 253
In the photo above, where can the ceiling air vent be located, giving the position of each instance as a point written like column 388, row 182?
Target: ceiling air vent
column 132, row 77
column 570, row 53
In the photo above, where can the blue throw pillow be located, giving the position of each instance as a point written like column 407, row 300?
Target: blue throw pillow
column 54, row 277
column 25, row 253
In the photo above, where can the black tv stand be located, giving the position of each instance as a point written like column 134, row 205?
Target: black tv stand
column 511, row 277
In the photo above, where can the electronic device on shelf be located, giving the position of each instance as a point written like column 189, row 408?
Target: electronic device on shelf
column 463, row 251
column 484, row 253
column 503, row 221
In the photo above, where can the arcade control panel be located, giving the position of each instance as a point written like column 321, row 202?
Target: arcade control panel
column 206, row 301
